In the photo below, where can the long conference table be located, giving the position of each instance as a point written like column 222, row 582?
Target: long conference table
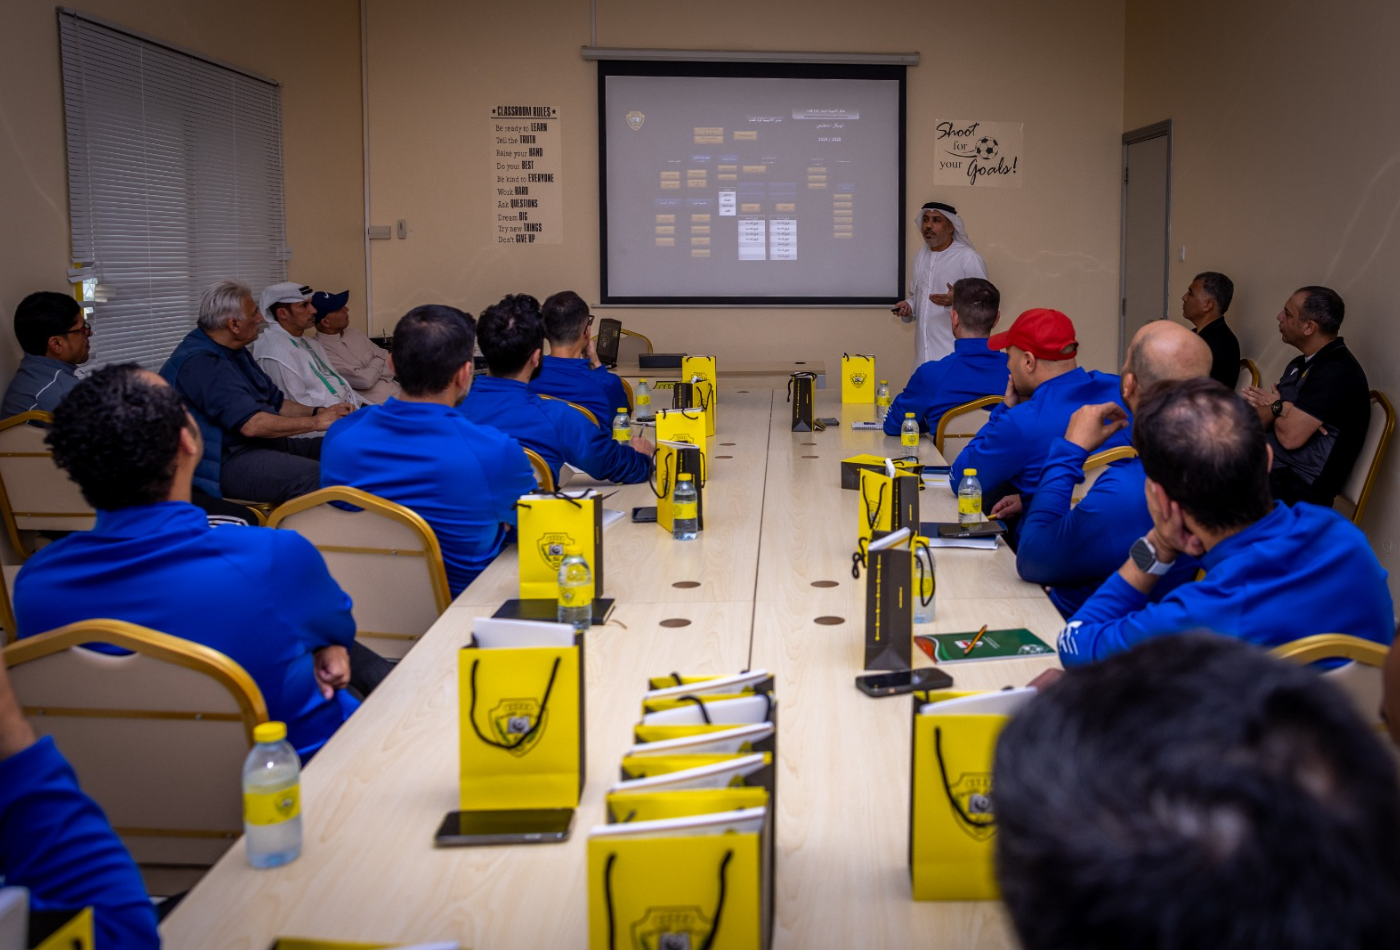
column 767, row 585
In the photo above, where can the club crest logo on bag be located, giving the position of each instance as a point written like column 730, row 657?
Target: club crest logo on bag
column 858, row 379
column 513, row 718
column 973, row 790
column 671, row 928
column 551, row 547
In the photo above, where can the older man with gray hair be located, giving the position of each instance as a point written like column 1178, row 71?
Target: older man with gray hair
column 245, row 420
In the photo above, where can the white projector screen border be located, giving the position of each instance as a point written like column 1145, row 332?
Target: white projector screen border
column 633, row 250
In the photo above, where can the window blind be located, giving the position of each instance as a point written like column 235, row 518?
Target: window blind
column 174, row 181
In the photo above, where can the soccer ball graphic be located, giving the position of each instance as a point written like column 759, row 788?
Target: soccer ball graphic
column 986, row 147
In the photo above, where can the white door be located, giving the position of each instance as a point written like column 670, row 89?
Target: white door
column 1146, row 209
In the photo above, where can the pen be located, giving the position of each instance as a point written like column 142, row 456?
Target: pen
column 975, row 639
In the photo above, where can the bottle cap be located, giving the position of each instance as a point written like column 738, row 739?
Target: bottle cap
column 571, row 549
column 621, row 408
column 683, row 477
column 270, row 732
column 969, row 471
column 883, row 381
column 908, row 415
column 642, row 379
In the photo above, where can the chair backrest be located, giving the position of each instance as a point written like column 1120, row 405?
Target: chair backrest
column 7, row 603
column 543, row 476
column 1249, row 375
column 631, row 399
column 1094, row 466
column 965, row 428
column 35, row 494
column 588, row 413
column 1360, row 679
column 1356, row 491
column 385, row 556
column 157, row 738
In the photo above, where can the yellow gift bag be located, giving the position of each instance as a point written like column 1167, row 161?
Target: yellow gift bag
column 522, row 726
column 857, row 378
column 546, row 525
column 651, row 885
column 702, row 373
column 673, row 459
column 952, row 828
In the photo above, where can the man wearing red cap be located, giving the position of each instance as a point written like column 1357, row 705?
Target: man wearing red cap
column 1045, row 389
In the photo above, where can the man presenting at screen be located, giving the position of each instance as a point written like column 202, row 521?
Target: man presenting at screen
column 947, row 257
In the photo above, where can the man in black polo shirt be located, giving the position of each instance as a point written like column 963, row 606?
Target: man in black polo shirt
column 1317, row 415
column 1204, row 305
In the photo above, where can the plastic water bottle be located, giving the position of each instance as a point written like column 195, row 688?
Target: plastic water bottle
column 272, row 798
column 575, row 590
column 643, row 397
column 685, row 515
column 909, row 432
column 622, row 425
column 882, row 400
column 925, row 583
column 969, row 498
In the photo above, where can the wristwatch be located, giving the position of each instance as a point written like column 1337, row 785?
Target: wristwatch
column 1145, row 557
column 1277, row 408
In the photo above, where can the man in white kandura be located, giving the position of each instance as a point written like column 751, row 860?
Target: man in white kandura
column 947, row 257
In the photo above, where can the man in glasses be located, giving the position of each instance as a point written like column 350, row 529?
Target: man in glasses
column 571, row 370
column 54, row 335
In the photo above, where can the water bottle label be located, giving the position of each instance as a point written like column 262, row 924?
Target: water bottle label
column 643, row 399
column 580, row 596
column 622, row 435
column 926, row 588
column 272, row 808
column 909, row 439
column 683, row 510
column 969, row 505
column 882, row 400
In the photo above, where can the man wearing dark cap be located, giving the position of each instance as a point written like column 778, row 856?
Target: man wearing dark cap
column 1045, row 389
column 947, row 257
column 354, row 356
column 293, row 360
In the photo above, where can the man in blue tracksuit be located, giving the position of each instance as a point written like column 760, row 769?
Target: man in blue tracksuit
column 970, row 372
column 1273, row 573
column 1045, row 388
column 417, row 450
column 511, row 335
column 1073, row 548
column 571, row 370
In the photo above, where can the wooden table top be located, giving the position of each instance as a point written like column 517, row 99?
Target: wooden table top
column 776, row 520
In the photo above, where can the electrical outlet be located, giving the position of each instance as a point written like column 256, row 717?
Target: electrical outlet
column 403, row 229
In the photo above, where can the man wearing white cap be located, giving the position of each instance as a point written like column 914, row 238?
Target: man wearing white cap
column 947, row 257
column 294, row 361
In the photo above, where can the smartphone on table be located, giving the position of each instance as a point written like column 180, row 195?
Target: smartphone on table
column 903, row 681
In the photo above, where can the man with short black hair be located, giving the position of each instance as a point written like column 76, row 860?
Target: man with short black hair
column 946, row 257
column 1204, row 305
column 54, row 336
column 512, row 337
column 417, row 450
column 1318, row 413
column 1274, row 573
column 244, row 420
column 970, row 372
column 572, row 371
column 294, row 361
column 1073, row 548
column 262, row 598
column 1195, row 793
column 1045, row 387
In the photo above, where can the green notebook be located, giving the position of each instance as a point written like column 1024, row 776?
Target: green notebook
column 994, row 645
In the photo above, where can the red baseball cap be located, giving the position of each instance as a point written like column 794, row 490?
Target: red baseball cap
column 1046, row 334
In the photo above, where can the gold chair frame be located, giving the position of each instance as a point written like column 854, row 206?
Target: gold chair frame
column 941, row 432
column 430, row 551
column 583, row 409
column 8, row 514
column 1379, row 399
column 1253, row 372
column 543, row 476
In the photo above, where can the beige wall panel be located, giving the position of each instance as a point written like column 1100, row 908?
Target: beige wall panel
column 437, row 67
column 311, row 47
column 1286, row 171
